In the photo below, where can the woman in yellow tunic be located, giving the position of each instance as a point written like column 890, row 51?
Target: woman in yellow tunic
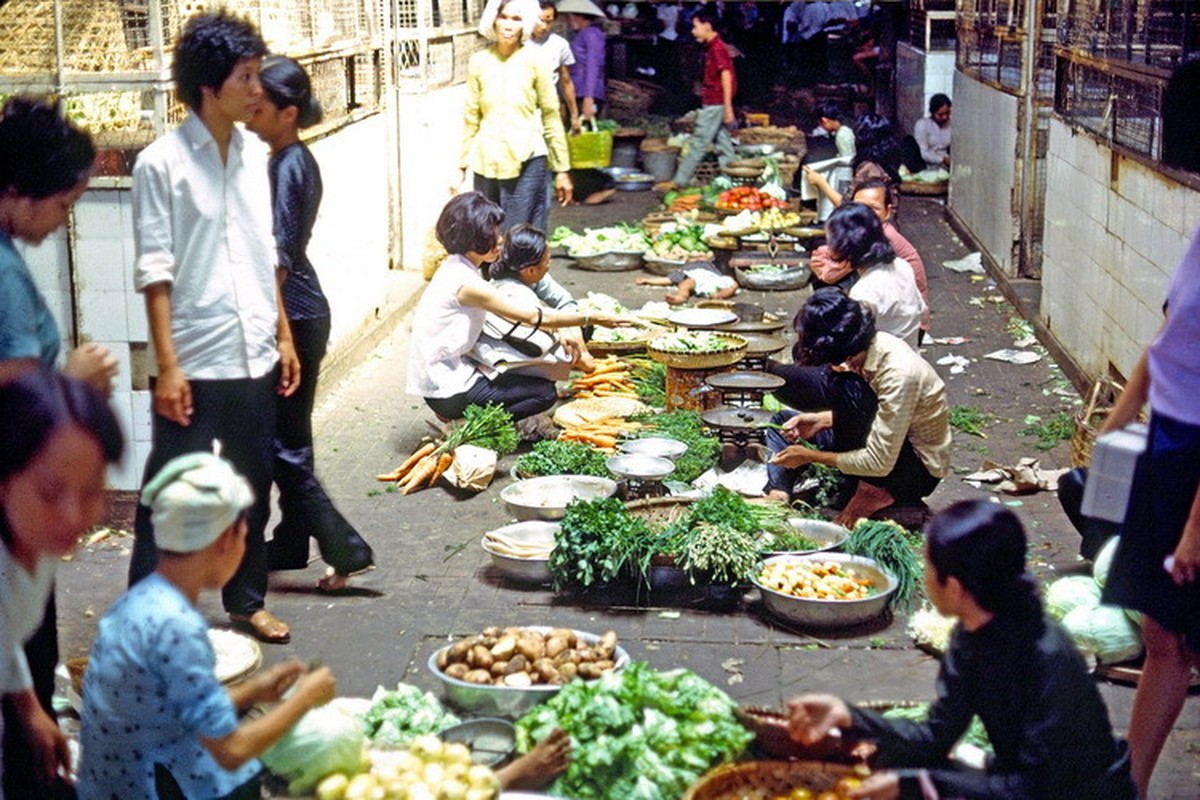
column 513, row 134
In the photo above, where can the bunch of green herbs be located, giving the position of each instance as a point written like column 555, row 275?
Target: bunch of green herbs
column 650, row 381
column 896, row 550
column 555, row 457
column 686, row 426
column 599, row 541
column 489, row 426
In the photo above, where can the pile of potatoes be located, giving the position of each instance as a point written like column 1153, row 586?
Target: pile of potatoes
column 523, row 657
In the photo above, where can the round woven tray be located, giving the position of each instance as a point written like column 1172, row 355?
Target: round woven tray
column 720, row 358
column 615, row 348
column 767, row 779
column 659, row 511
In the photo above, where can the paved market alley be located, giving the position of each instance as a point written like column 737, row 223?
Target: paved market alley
column 434, row 581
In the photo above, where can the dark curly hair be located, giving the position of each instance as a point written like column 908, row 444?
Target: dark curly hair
column 286, row 84
column 41, row 152
column 524, row 246
column 875, row 142
column 470, row 223
column 983, row 545
column 855, row 234
column 831, row 328
column 211, row 45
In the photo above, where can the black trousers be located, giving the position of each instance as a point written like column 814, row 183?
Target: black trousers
column 521, row 395
column 305, row 508
column 854, row 406
column 240, row 414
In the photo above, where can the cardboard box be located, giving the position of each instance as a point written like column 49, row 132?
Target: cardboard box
column 1110, row 476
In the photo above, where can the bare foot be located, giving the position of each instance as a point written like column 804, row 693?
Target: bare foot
column 773, row 496
column 541, row 765
column 867, row 499
column 676, row 299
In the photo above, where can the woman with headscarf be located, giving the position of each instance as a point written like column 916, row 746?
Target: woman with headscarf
column 512, row 131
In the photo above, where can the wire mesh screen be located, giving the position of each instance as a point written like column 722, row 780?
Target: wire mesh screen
column 1151, row 32
column 1123, row 108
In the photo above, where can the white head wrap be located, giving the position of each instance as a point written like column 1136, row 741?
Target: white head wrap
column 193, row 499
column 529, row 10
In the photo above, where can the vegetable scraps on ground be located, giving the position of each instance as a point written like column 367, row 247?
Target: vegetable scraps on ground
column 487, row 426
column 638, row 733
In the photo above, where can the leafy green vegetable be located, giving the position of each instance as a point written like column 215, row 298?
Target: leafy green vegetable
column 649, row 381
column 896, row 550
column 487, row 426
column 637, row 733
column 327, row 739
column 969, row 420
column 724, row 553
column 789, row 541
column 598, row 541
column 397, row 717
column 554, row 457
column 687, row 427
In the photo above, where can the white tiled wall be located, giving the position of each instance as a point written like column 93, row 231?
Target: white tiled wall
column 1111, row 245
column 985, row 164
column 919, row 76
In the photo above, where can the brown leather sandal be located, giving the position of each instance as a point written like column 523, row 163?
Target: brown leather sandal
column 262, row 625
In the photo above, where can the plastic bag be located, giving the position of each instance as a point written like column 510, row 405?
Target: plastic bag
column 473, row 467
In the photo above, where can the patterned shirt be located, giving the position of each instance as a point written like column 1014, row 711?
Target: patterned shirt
column 150, row 695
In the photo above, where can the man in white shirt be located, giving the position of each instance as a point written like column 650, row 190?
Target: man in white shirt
column 830, row 121
column 557, row 51
column 206, row 265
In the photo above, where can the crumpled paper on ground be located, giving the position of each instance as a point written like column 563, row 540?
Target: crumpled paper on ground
column 473, row 467
column 1026, row 477
column 1013, row 356
column 972, row 262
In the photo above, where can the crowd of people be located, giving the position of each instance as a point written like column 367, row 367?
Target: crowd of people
column 239, row 326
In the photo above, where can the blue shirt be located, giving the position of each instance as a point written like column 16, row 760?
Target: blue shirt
column 150, row 695
column 27, row 328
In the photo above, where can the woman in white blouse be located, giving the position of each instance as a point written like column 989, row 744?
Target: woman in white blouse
column 933, row 133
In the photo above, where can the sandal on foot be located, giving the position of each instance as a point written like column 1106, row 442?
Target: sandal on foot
column 262, row 625
column 334, row 582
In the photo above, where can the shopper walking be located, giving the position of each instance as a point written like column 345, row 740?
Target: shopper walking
column 512, row 131
column 206, row 264
column 715, row 117
column 305, row 509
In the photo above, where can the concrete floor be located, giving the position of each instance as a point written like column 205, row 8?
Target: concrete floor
column 434, row 581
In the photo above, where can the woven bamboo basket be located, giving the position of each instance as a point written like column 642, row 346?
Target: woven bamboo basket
column 767, row 779
column 707, row 360
column 629, row 100
column 1090, row 418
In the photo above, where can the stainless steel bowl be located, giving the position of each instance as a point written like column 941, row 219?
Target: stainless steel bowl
column 547, row 497
column 828, row 535
column 640, row 467
column 507, row 701
column 811, row 613
column 628, row 179
column 490, row 740
column 614, row 261
column 660, row 446
column 526, row 570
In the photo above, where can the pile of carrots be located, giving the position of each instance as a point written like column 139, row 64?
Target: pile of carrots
column 421, row 470
column 601, row 434
column 610, row 378
column 685, row 202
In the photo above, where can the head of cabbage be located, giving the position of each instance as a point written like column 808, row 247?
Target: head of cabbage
column 1104, row 632
column 325, row 740
column 1067, row 594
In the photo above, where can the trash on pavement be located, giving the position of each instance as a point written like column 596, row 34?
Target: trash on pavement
column 972, row 262
column 957, row 364
column 1013, row 356
column 1025, row 477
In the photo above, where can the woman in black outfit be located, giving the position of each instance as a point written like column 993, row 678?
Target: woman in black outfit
column 306, row 510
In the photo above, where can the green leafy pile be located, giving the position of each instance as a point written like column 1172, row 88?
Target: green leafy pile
column 637, row 734
column 599, row 541
column 487, row 426
column 397, row 717
column 1049, row 432
column 896, row 549
column 650, row 381
column 686, row 426
column 721, row 535
column 969, row 420
column 555, row 457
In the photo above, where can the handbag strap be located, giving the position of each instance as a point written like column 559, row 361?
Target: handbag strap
column 537, row 326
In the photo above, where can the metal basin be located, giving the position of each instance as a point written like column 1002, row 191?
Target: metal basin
column 547, row 497
column 640, row 467
column 811, row 613
column 530, row 569
column 659, row 446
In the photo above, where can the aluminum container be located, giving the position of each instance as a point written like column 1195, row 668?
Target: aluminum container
column 507, row 701
column 660, row 446
column 809, row 613
column 547, row 497
column 526, row 570
column 828, row 535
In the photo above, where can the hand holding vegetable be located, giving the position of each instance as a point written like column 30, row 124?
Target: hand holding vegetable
column 793, row 456
column 812, row 717
column 270, row 685
column 317, row 687
column 806, row 425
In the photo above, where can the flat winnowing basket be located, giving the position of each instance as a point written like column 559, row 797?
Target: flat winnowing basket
column 1090, row 418
column 767, row 779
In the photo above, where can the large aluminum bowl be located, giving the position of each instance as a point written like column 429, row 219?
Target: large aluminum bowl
column 810, row 613
column 526, row 570
column 507, row 701
column 827, row 535
column 660, row 446
column 547, row 497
